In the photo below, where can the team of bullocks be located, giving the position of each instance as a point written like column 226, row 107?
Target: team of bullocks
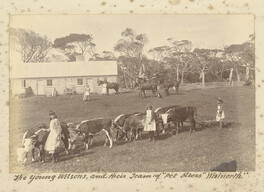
column 59, row 134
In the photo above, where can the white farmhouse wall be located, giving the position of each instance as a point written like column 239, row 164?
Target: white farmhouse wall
column 60, row 84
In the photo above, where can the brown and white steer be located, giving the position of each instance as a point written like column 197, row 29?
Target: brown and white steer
column 119, row 122
column 94, row 127
column 36, row 138
column 29, row 142
column 179, row 115
column 160, row 111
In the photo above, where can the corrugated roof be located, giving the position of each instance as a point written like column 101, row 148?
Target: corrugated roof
column 63, row 69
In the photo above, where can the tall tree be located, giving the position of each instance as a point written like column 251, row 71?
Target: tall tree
column 158, row 53
column 176, row 52
column 219, row 64
column 202, row 65
column 130, row 48
column 241, row 55
column 186, row 57
column 249, row 55
column 31, row 46
column 186, row 60
column 75, row 44
column 105, row 56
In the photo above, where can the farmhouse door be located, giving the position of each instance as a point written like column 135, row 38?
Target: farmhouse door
column 40, row 87
column 89, row 81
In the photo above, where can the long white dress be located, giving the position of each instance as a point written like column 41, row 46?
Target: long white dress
column 86, row 93
column 54, row 139
column 220, row 114
column 104, row 90
column 150, row 123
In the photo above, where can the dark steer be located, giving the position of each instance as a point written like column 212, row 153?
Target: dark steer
column 119, row 122
column 36, row 138
column 94, row 127
column 134, row 125
column 159, row 113
column 147, row 86
column 179, row 115
column 168, row 85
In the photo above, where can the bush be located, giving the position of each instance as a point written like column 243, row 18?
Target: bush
column 192, row 77
column 247, row 83
column 210, row 77
column 28, row 92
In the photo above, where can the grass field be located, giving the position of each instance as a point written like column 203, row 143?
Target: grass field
column 199, row 151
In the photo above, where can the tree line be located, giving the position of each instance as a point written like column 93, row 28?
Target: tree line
column 178, row 60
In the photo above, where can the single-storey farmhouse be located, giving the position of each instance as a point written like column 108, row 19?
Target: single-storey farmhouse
column 44, row 78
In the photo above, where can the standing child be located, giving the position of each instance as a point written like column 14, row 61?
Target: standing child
column 104, row 90
column 150, row 124
column 54, row 139
column 220, row 114
column 86, row 96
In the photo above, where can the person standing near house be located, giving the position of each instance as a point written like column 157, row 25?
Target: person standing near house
column 86, row 96
column 104, row 90
column 220, row 114
column 150, row 124
column 54, row 139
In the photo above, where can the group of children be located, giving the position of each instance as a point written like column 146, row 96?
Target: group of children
column 86, row 96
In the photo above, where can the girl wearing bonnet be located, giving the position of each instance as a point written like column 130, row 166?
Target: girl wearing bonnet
column 150, row 124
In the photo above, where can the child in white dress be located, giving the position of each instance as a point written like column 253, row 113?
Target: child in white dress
column 86, row 96
column 104, row 90
column 150, row 123
column 220, row 114
column 54, row 139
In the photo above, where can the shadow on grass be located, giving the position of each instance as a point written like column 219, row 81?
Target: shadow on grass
column 213, row 124
column 91, row 99
column 120, row 142
column 180, row 93
column 226, row 167
column 75, row 154
column 148, row 96
column 231, row 124
column 163, row 136
column 125, row 92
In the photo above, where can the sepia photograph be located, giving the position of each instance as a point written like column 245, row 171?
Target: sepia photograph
column 132, row 93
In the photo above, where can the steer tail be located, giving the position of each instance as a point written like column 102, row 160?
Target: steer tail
column 112, row 127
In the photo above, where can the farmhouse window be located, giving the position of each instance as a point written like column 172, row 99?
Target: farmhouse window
column 49, row 82
column 79, row 81
column 23, row 83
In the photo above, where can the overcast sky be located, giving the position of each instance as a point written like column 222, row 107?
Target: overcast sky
column 205, row 31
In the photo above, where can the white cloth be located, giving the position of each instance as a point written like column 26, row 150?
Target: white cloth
column 54, row 139
column 104, row 90
column 220, row 114
column 150, row 124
